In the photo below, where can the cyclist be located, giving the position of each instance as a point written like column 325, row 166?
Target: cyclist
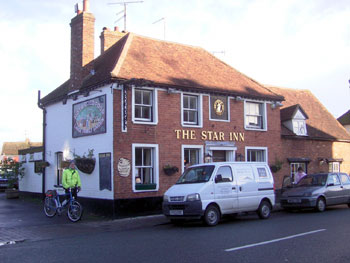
column 71, row 179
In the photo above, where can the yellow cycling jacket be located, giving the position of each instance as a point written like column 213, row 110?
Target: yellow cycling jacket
column 70, row 178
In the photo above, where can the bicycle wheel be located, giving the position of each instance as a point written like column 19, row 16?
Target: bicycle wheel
column 75, row 211
column 50, row 206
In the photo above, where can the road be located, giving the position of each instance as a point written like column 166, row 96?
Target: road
column 285, row 237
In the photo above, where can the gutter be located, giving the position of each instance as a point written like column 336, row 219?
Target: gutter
column 41, row 106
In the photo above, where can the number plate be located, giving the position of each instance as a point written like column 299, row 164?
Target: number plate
column 176, row 212
column 294, row 201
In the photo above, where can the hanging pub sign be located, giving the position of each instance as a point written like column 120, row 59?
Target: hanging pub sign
column 218, row 108
column 89, row 117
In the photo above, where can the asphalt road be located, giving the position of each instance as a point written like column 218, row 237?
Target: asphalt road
column 285, row 237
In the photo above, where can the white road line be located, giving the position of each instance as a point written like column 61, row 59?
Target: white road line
column 274, row 240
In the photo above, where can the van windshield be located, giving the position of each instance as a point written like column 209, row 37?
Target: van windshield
column 198, row 174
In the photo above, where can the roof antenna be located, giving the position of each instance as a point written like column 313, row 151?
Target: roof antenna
column 124, row 11
column 162, row 19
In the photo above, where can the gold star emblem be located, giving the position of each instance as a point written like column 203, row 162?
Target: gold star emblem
column 219, row 107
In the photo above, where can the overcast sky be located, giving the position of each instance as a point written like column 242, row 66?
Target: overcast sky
column 288, row 43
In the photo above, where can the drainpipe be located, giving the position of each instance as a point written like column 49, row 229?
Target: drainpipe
column 40, row 105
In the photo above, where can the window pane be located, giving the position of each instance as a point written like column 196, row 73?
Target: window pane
column 138, row 112
column 147, row 157
column 192, row 116
column 146, row 112
column 138, row 156
column 226, row 173
column 147, row 175
column 193, row 102
column 138, row 94
column 186, row 99
column 147, row 97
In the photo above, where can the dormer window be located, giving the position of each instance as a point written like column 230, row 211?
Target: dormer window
column 294, row 118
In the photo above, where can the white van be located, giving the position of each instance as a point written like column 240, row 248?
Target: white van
column 211, row 190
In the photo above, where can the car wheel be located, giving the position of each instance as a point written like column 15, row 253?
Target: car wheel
column 212, row 215
column 264, row 210
column 320, row 204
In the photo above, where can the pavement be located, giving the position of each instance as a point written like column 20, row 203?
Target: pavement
column 23, row 220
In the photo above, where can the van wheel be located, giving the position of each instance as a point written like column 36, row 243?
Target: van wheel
column 264, row 210
column 212, row 215
column 320, row 204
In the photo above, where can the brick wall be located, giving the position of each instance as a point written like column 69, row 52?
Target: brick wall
column 163, row 134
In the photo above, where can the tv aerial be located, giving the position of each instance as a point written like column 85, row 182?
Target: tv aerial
column 162, row 19
column 124, row 11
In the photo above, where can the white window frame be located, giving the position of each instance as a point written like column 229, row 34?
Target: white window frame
column 296, row 165
column 264, row 116
column 257, row 148
column 199, row 107
column 197, row 147
column 334, row 167
column 298, row 125
column 155, row 165
column 154, row 113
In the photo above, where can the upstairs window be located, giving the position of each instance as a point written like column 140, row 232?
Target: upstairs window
column 255, row 115
column 299, row 127
column 144, row 106
column 191, row 110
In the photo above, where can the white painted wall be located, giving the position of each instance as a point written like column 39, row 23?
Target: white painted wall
column 31, row 181
column 59, row 139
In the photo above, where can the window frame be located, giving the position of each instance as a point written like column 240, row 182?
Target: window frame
column 199, row 110
column 59, row 168
column 193, row 147
column 154, row 106
column 265, row 149
column 263, row 116
column 333, row 164
column 155, row 163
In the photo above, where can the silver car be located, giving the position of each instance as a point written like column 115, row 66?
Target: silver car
column 317, row 191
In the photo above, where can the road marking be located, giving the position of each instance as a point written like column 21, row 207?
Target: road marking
column 274, row 240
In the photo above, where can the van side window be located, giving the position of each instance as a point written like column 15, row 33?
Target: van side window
column 226, row 174
column 262, row 172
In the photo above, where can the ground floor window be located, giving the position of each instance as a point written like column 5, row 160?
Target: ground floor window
column 334, row 167
column 145, row 167
column 295, row 166
column 191, row 154
column 256, row 154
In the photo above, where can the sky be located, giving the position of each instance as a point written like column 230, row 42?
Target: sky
column 295, row 44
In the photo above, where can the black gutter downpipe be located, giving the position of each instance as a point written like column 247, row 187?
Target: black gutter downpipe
column 40, row 105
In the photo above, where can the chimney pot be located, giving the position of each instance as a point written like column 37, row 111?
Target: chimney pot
column 116, row 28
column 86, row 5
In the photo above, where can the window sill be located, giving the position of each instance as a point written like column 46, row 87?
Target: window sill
column 145, row 187
column 255, row 129
column 144, row 122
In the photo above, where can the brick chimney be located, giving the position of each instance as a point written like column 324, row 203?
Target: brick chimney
column 108, row 38
column 82, row 44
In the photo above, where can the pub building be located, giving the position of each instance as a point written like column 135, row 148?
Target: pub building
column 144, row 109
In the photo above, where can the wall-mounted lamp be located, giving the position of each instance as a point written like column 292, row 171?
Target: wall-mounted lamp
column 239, row 98
column 276, row 104
column 64, row 101
column 322, row 161
column 207, row 158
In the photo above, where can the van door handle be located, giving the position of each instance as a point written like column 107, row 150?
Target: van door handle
column 233, row 188
column 240, row 188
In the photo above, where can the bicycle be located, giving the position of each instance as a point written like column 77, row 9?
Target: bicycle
column 53, row 205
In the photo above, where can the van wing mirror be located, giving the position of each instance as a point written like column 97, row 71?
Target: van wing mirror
column 287, row 182
column 218, row 178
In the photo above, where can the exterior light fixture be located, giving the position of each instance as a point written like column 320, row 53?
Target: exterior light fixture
column 207, row 158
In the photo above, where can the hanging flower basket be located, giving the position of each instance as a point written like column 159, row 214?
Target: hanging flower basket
column 86, row 165
column 170, row 170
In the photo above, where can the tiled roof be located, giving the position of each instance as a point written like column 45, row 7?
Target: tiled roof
column 287, row 113
column 345, row 118
column 11, row 148
column 163, row 63
column 321, row 124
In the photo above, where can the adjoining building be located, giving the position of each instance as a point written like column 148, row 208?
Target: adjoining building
column 345, row 120
column 140, row 112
